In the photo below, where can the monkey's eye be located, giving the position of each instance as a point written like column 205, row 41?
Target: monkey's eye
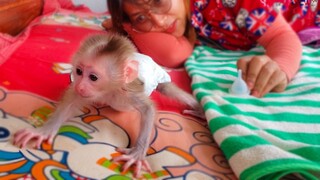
column 79, row 71
column 93, row 77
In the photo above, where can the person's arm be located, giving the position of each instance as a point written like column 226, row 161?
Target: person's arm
column 283, row 45
column 165, row 49
column 273, row 71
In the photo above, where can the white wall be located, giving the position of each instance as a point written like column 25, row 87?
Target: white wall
column 94, row 5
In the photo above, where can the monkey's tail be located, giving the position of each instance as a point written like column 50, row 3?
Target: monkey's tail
column 171, row 90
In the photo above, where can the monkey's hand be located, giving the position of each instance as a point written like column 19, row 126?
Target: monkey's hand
column 23, row 136
column 133, row 156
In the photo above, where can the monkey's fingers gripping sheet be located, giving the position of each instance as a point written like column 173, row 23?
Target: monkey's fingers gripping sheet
column 25, row 136
column 33, row 78
column 133, row 157
column 263, row 138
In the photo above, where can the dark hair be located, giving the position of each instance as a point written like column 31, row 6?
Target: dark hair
column 118, row 16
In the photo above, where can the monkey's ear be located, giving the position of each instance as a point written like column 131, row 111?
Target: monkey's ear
column 131, row 70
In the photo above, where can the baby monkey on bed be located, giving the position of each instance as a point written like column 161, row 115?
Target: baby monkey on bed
column 107, row 71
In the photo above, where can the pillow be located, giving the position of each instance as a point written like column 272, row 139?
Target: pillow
column 54, row 5
column 75, row 18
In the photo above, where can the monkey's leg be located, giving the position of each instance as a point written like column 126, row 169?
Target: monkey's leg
column 136, row 155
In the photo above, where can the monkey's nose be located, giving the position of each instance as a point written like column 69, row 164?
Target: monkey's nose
column 82, row 92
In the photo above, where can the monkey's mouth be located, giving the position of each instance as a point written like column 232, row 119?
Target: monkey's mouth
column 85, row 96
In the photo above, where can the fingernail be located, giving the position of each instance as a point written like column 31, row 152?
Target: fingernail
column 255, row 93
column 250, row 85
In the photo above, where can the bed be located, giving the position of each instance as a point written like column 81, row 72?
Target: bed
column 37, row 40
column 274, row 137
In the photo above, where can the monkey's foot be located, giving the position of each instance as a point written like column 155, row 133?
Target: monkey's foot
column 132, row 158
column 23, row 136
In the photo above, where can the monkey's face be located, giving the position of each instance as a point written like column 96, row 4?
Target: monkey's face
column 89, row 81
column 95, row 78
column 85, row 82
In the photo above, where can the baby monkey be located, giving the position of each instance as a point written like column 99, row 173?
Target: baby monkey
column 108, row 71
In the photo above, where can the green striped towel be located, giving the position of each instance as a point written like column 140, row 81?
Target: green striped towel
column 262, row 138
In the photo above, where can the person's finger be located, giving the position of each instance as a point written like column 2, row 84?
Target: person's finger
column 263, row 78
column 284, row 83
column 277, row 83
column 107, row 24
column 253, row 69
column 242, row 64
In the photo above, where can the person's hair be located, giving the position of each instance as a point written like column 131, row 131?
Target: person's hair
column 190, row 32
column 118, row 17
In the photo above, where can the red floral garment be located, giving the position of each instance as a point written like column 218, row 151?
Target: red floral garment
column 237, row 24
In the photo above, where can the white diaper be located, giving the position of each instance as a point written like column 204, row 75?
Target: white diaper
column 150, row 73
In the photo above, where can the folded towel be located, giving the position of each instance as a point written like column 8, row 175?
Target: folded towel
column 262, row 138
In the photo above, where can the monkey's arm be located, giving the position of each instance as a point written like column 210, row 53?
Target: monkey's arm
column 136, row 154
column 47, row 132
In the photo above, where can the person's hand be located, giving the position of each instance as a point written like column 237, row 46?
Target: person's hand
column 107, row 24
column 262, row 75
